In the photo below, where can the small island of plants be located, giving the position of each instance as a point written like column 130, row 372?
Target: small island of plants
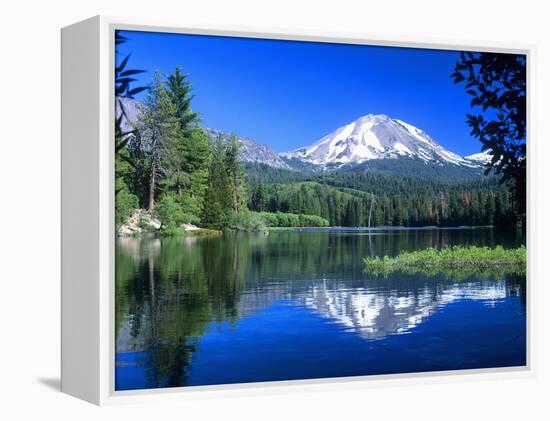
column 457, row 262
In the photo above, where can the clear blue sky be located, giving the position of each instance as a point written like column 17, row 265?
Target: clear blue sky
column 289, row 94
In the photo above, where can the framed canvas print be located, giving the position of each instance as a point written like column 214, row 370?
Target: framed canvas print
column 245, row 209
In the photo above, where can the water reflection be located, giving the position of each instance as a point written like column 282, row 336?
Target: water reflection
column 170, row 293
column 378, row 312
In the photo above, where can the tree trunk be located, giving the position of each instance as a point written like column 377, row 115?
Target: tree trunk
column 152, row 188
column 370, row 208
column 235, row 193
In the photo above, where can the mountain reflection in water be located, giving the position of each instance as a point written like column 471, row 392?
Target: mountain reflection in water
column 245, row 307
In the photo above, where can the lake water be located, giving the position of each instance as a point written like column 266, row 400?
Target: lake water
column 297, row 305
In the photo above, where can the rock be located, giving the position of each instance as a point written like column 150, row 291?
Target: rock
column 139, row 221
column 155, row 223
column 189, row 227
column 126, row 231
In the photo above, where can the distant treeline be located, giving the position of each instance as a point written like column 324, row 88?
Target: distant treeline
column 351, row 199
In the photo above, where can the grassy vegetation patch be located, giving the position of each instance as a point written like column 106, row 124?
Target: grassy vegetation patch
column 456, row 262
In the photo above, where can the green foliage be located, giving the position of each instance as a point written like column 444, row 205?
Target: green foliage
column 213, row 212
column 125, row 203
column 235, row 175
column 217, row 195
column 190, row 157
column 280, row 219
column 347, row 198
column 187, row 168
column 169, row 211
column 226, row 189
column 455, row 262
column 158, row 135
column 244, row 221
column 259, row 198
column 170, row 231
column 169, row 154
column 179, row 89
column 172, row 215
column 497, row 83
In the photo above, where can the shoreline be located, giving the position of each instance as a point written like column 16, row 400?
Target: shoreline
column 199, row 232
column 389, row 227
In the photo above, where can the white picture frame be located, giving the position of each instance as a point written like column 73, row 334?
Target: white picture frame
column 88, row 212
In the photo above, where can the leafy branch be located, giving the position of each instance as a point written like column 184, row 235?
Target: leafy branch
column 124, row 89
column 497, row 85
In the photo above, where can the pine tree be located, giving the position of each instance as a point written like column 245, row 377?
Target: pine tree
column 212, row 213
column 158, row 131
column 179, row 89
column 190, row 157
column 235, row 173
column 217, row 196
column 259, row 198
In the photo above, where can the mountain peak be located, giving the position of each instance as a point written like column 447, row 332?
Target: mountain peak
column 374, row 117
column 371, row 116
column 374, row 136
column 251, row 151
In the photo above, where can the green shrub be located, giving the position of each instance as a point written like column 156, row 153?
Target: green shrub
column 244, row 221
column 280, row 219
column 189, row 206
column 189, row 218
column 313, row 221
column 125, row 203
column 170, row 230
column 169, row 211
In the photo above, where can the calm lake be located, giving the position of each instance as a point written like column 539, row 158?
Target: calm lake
column 297, row 305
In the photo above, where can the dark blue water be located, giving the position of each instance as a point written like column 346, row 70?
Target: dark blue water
column 297, row 305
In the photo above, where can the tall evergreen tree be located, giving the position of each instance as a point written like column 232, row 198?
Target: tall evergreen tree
column 217, row 195
column 179, row 89
column 187, row 174
column 158, row 132
column 259, row 199
column 235, row 173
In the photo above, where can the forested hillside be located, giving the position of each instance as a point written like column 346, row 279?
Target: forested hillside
column 355, row 199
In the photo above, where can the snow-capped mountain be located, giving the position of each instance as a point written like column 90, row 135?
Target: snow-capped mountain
column 481, row 158
column 375, row 137
column 252, row 151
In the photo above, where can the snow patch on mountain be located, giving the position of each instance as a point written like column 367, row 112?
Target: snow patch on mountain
column 482, row 157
